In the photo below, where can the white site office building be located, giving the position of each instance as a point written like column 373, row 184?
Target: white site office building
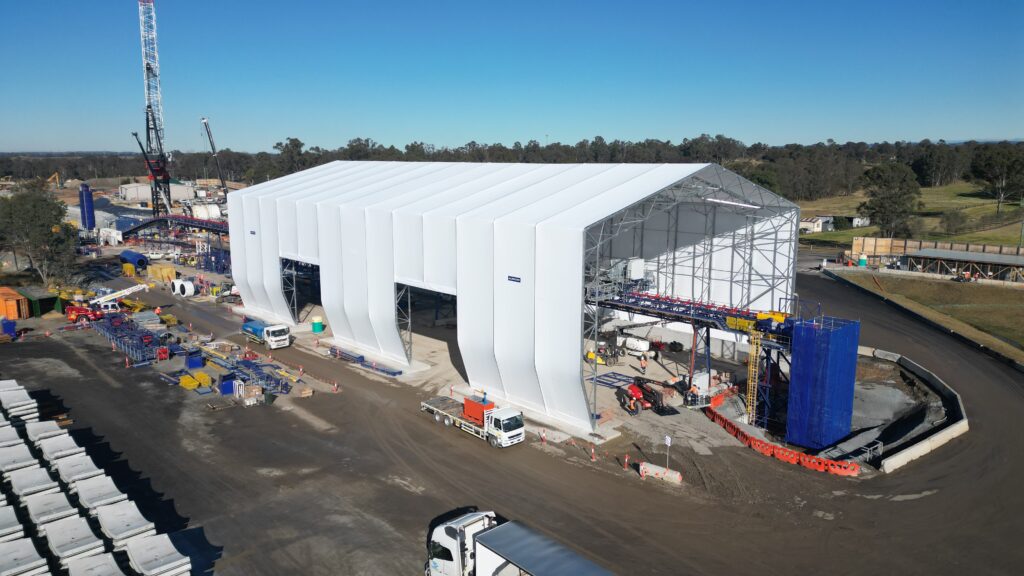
column 516, row 244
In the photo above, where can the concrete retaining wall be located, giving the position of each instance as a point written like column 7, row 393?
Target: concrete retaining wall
column 915, row 451
column 954, row 425
column 956, row 416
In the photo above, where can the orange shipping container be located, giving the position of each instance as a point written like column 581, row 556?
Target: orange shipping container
column 12, row 304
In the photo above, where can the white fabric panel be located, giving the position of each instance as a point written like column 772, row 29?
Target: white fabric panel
column 411, row 239
column 248, row 201
column 355, row 255
column 560, row 307
column 331, row 240
column 515, row 321
column 259, row 302
column 287, row 209
column 236, row 229
column 275, row 307
column 328, row 226
column 306, row 213
column 440, row 245
column 476, row 267
column 271, row 257
column 380, row 266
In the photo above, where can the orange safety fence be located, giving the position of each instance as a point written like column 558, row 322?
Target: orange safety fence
column 781, row 453
column 719, row 399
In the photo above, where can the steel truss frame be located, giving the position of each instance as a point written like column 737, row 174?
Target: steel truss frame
column 769, row 219
column 403, row 317
column 1005, row 272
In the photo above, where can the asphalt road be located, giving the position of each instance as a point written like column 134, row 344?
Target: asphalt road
column 347, row 483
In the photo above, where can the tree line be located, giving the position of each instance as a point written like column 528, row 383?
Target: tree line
column 797, row 172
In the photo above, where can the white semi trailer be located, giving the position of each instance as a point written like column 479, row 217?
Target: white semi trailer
column 477, row 544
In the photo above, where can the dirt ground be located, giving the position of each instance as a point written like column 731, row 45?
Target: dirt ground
column 347, row 483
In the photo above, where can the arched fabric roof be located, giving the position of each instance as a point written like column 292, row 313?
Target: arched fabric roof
column 507, row 239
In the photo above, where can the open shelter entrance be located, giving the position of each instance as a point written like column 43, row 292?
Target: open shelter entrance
column 301, row 284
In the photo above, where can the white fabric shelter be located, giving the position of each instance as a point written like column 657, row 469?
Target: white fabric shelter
column 507, row 239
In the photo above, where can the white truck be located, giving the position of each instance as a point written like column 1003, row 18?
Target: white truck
column 477, row 544
column 273, row 336
column 501, row 427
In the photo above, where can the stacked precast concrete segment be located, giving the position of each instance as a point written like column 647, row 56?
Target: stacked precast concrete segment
column 507, row 239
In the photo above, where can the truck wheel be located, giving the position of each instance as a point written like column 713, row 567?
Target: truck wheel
column 447, row 420
column 437, row 417
column 493, row 440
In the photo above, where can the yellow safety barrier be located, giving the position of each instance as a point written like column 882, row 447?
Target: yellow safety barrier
column 203, row 378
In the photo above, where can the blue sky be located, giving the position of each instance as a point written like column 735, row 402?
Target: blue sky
column 447, row 72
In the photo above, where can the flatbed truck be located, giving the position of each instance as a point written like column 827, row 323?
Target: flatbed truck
column 500, row 427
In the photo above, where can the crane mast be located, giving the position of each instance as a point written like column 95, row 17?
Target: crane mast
column 156, row 159
column 213, row 148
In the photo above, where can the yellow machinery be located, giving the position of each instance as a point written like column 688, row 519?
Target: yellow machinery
column 162, row 272
column 203, row 378
column 56, row 180
column 753, row 360
column 188, row 382
column 133, row 306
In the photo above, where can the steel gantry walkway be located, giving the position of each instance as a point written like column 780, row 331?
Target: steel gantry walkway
column 767, row 333
column 216, row 226
column 733, row 320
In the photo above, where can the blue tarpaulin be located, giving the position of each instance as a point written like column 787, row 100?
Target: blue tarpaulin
column 821, row 380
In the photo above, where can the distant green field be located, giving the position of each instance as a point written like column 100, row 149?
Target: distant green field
column 953, row 196
column 936, row 199
column 962, row 196
column 1009, row 234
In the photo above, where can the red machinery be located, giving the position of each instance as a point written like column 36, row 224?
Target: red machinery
column 639, row 396
column 82, row 314
column 473, row 409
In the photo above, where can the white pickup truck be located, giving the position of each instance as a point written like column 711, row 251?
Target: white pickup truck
column 477, row 544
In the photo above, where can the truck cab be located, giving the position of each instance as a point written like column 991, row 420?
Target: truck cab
column 504, row 427
column 110, row 307
column 451, row 549
column 277, row 336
